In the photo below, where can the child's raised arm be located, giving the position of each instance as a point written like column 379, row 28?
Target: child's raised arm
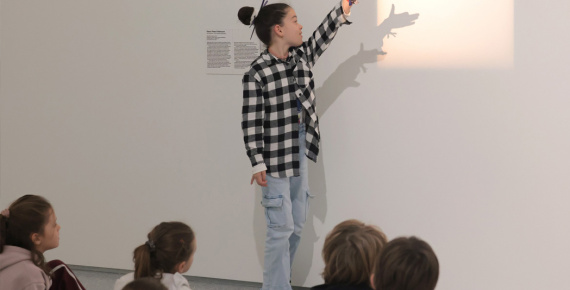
column 324, row 34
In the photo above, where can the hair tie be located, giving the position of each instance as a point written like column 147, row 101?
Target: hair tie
column 254, row 15
column 6, row 213
column 150, row 244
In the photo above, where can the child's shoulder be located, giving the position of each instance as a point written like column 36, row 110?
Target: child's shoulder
column 124, row 280
column 257, row 69
column 262, row 61
column 175, row 281
column 181, row 282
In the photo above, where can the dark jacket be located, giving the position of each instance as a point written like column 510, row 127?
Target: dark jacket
column 62, row 277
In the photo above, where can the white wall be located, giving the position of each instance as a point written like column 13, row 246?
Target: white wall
column 106, row 111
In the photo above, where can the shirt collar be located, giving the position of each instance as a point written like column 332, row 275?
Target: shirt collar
column 271, row 59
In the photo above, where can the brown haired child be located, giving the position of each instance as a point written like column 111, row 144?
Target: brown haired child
column 406, row 264
column 168, row 252
column 28, row 228
column 350, row 252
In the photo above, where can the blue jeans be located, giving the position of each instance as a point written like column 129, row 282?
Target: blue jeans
column 286, row 204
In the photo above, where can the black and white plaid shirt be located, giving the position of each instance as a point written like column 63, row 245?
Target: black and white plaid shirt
column 271, row 89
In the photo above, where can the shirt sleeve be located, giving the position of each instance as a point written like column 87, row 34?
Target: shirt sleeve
column 344, row 18
column 323, row 35
column 253, row 115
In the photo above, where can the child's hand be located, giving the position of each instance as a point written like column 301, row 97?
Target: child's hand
column 347, row 4
column 259, row 178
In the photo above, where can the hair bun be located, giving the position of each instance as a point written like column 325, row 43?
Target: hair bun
column 244, row 15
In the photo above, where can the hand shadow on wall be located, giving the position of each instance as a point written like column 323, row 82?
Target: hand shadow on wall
column 392, row 22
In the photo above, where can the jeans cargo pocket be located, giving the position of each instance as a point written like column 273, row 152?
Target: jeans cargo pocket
column 274, row 211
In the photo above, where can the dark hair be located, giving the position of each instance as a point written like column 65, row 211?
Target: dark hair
column 406, row 264
column 169, row 244
column 269, row 16
column 146, row 283
column 27, row 215
column 350, row 251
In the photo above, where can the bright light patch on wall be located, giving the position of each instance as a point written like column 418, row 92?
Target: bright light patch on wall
column 447, row 34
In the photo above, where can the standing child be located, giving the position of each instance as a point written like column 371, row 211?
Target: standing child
column 168, row 252
column 281, row 126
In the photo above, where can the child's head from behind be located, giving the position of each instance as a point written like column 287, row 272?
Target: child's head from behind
column 146, row 283
column 30, row 223
column 350, row 251
column 169, row 248
column 406, row 264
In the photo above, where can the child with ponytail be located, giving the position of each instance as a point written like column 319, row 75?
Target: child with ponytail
column 28, row 228
column 168, row 252
column 281, row 126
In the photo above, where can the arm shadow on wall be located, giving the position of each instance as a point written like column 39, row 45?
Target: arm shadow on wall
column 344, row 77
column 341, row 79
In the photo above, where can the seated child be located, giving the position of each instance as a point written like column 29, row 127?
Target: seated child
column 349, row 253
column 168, row 252
column 406, row 264
column 28, row 228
